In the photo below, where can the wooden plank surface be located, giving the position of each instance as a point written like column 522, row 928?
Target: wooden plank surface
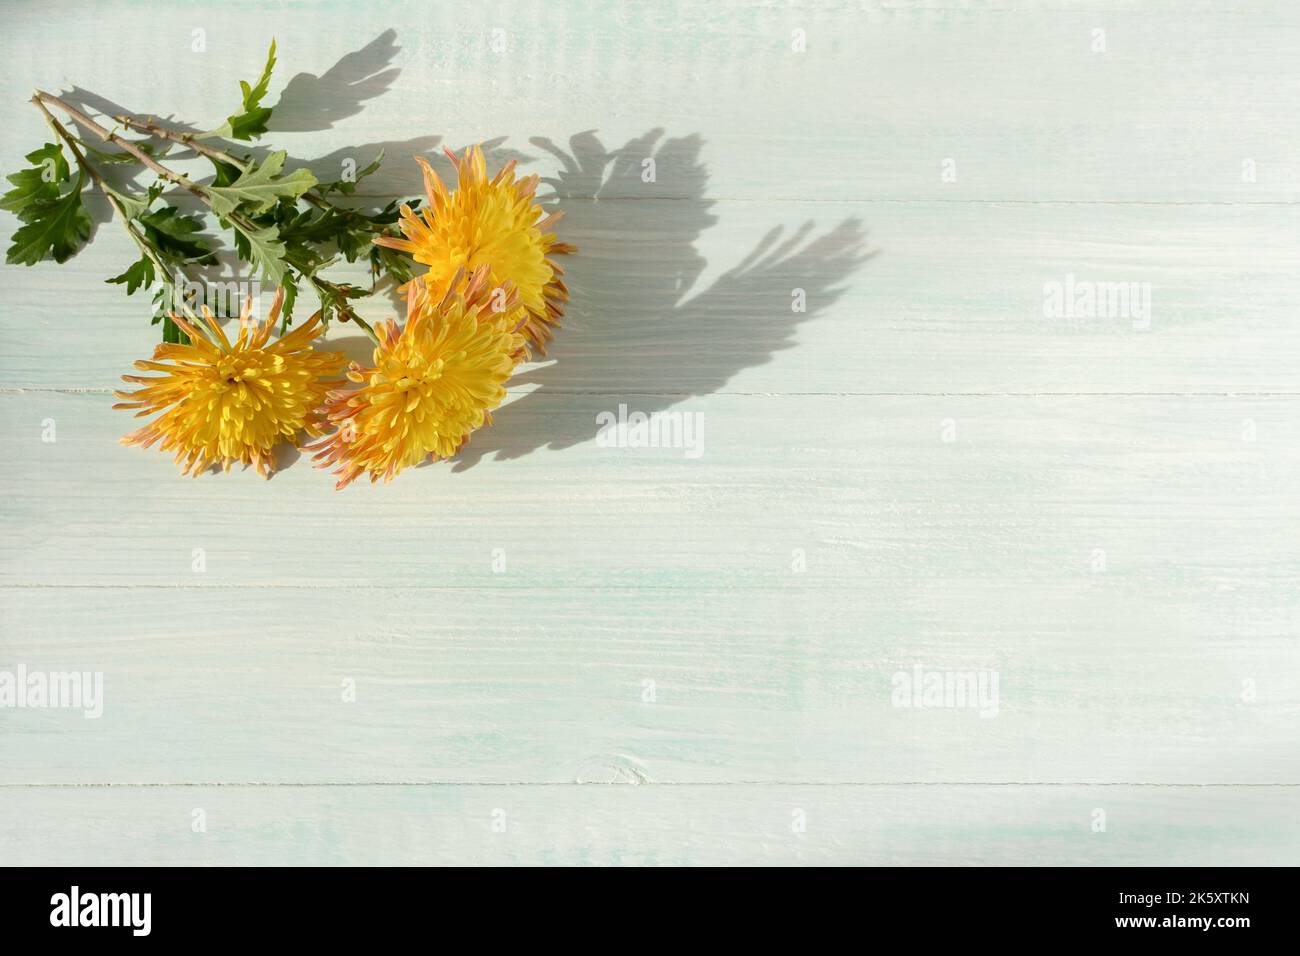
column 655, row 826
column 596, row 684
column 685, row 298
column 927, row 471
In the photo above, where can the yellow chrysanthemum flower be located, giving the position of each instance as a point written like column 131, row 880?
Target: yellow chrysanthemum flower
column 224, row 403
column 433, row 382
column 495, row 223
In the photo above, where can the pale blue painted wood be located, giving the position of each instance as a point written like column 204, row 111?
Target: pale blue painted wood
column 665, row 301
column 1111, row 527
column 655, row 825
column 1099, row 681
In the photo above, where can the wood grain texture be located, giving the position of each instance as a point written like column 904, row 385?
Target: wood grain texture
column 654, row 825
column 920, row 470
column 528, row 686
column 686, row 297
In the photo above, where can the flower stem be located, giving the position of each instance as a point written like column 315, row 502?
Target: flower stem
column 239, row 220
column 170, row 331
column 109, row 136
column 366, row 327
column 185, row 139
column 190, row 141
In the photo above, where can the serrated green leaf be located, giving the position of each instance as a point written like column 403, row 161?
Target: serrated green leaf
column 253, row 94
column 226, row 173
column 391, row 213
column 40, row 183
column 139, row 274
column 164, row 303
column 355, row 242
column 161, row 301
column 335, row 299
column 258, row 189
column 383, row 259
column 56, row 226
column 265, row 250
column 290, row 297
column 242, row 248
column 176, row 236
column 306, row 259
column 172, row 333
column 349, row 230
column 313, row 227
column 248, row 126
column 349, row 186
column 251, row 122
column 133, row 206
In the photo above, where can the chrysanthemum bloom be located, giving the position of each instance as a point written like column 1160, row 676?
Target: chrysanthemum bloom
column 496, row 223
column 433, row 382
column 224, row 403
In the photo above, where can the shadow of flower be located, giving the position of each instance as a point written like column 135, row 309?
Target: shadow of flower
column 635, row 333
column 637, row 330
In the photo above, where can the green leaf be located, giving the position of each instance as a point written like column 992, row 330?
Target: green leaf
column 175, row 236
column 40, row 183
column 171, row 333
column 251, row 122
column 248, row 125
column 349, row 186
column 354, row 243
column 383, row 259
column 265, row 250
column 259, row 189
column 253, row 94
column 140, row 274
column 226, row 173
column 163, row 300
column 58, row 226
column 242, row 248
column 305, row 259
column 334, row 300
column 312, row 226
column 290, row 297
column 131, row 205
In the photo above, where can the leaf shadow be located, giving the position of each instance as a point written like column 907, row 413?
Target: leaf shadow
column 308, row 103
column 311, row 103
column 637, row 330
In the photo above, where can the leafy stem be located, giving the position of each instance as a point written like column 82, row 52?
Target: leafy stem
column 109, row 136
column 189, row 140
column 286, row 225
column 192, row 141
column 147, row 249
